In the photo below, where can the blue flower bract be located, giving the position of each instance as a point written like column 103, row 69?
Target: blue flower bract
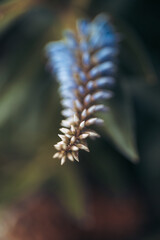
column 84, row 63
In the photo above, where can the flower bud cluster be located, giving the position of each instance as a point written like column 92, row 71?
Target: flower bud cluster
column 84, row 63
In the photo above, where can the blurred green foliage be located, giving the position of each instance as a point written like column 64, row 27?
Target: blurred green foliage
column 30, row 110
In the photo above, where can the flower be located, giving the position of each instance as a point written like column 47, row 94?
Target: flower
column 84, row 63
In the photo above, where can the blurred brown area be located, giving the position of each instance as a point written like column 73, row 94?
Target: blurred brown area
column 41, row 217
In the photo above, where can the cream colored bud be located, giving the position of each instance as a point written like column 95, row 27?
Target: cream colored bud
column 83, row 147
column 70, row 157
column 63, row 160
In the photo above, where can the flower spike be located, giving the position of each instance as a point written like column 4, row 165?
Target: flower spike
column 84, row 64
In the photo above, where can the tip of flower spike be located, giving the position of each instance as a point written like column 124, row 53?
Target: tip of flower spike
column 73, row 139
column 92, row 134
column 62, row 137
column 91, row 121
column 64, row 130
column 74, row 148
column 56, row 155
column 94, row 121
column 83, row 136
column 97, row 108
column 70, row 157
column 83, row 147
column 67, row 123
column 63, row 160
column 75, row 155
column 58, row 146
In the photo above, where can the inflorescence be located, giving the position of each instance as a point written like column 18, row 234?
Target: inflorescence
column 85, row 64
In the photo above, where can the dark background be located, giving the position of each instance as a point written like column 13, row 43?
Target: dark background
column 113, row 193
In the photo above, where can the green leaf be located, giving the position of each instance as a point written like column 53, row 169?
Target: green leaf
column 119, row 125
column 25, row 175
column 71, row 190
column 108, row 167
column 147, row 105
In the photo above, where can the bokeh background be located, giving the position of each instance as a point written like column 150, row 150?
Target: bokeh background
column 114, row 192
